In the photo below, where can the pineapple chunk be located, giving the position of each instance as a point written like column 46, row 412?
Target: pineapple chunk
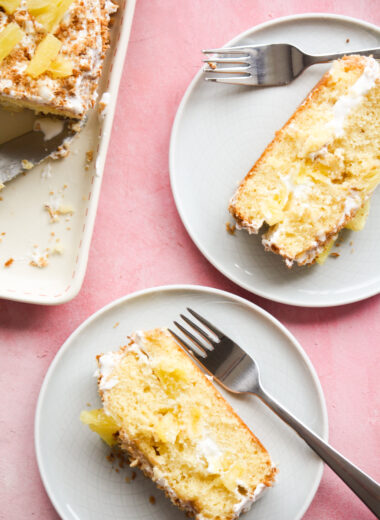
column 60, row 68
column 9, row 38
column 101, row 424
column 48, row 13
column 168, row 428
column 322, row 257
column 46, row 52
column 172, row 378
column 358, row 222
column 10, row 6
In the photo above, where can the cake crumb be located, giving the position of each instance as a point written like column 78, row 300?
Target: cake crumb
column 27, row 165
column 39, row 259
column 335, row 255
column 152, row 500
column 116, row 325
column 88, row 404
column 89, row 159
column 351, row 243
column 212, row 65
column 348, row 40
column 9, row 262
column 133, row 475
column 127, row 480
column 230, row 228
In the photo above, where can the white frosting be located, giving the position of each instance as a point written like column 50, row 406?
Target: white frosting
column 354, row 97
column 45, row 93
column 109, row 361
column 49, row 127
column 137, row 347
column 107, row 364
column 208, row 451
column 246, row 501
column 46, row 172
column 352, row 202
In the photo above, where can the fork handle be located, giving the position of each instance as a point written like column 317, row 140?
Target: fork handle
column 323, row 58
column 367, row 489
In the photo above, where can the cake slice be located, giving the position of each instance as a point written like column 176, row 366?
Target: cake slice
column 320, row 169
column 51, row 54
column 167, row 415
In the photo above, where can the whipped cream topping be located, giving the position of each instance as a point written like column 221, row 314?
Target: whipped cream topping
column 246, row 501
column 208, row 451
column 49, row 127
column 107, row 364
column 138, row 347
column 354, row 97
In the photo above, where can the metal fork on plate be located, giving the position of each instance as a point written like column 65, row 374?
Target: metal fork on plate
column 237, row 372
column 266, row 65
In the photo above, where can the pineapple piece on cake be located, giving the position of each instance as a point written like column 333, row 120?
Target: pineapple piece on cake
column 52, row 59
column 178, row 428
column 10, row 6
column 320, row 169
column 10, row 36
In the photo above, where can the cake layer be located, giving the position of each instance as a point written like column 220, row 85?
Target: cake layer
column 65, row 74
column 320, row 169
column 180, row 431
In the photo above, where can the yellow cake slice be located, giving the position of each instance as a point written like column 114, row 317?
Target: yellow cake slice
column 320, row 169
column 52, row 53
column 167, row 415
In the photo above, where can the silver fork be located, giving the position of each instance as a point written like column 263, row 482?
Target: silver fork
column 238, row 373
column 266, row 65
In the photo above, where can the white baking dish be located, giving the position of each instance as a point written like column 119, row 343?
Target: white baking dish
column 25, row 223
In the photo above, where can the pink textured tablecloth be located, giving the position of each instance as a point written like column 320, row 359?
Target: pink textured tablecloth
column 139, row 242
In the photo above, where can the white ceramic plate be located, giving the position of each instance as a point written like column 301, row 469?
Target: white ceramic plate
column 218, row 134
column 24, row 221
column 72, row 460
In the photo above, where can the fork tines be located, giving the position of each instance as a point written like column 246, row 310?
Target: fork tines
column 196, row 347
column 217, row 65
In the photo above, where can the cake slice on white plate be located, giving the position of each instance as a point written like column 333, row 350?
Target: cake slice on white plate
column 166, row 414
column 321, row 169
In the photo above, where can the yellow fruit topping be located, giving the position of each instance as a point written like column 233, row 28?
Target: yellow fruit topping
column 48, row 13
column 60, row 68
column 101, row 424
column 47, row 51
column 321, row 258
column 358, row 222
column 172, row 378
column 10, row 6
column 9, row 38
column 168, row 428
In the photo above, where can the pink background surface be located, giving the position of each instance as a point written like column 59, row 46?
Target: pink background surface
column 139, row 242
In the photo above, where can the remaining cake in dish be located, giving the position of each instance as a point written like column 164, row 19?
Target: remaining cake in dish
column 167, row 415
column 51, row 54
column 320, row 169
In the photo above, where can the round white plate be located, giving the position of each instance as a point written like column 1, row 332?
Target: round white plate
column 218, row 134
column 79, row 480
